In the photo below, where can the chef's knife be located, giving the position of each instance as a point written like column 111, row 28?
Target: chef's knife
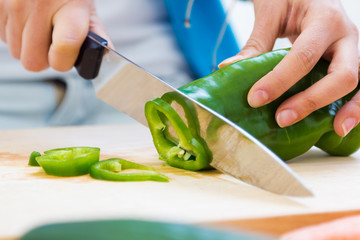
column 127, row 87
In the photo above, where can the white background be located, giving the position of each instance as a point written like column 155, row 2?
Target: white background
column 242, row 19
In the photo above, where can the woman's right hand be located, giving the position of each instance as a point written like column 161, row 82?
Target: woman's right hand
column 47, row 33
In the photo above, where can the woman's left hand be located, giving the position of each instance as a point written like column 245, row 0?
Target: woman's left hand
column 317, row 28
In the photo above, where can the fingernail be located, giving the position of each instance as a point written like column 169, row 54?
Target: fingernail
column 230, row 60
column 348, row 124
column 286, row 117
column 258, row 98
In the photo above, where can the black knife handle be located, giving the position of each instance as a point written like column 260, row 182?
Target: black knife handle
column 90, row 56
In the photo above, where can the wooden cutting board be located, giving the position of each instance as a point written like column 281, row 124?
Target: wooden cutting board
column 29, row 197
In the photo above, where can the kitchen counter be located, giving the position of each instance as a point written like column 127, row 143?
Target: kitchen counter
column 30, row 198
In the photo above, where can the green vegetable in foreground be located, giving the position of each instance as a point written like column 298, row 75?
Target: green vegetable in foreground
column 67, row 162
column 225, row 91
column 121, row 229
column 112, row 170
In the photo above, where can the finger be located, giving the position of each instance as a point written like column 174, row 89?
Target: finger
column 348, row 116
column 71, row 25
column 97, row 27
column 267, row 24
column 36, row 40
column 3, row 20
column 302, row 57
column 342, row 78
column 17, row 15
column 292, row 39
column 266, row 29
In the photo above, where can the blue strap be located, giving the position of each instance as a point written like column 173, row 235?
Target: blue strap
column 199, row 40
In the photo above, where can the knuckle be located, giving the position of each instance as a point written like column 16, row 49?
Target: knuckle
column 19, row 7
column 67, row 44
column 61, row 67
column 255, row 44
column 354, row 104
column 61, row 61
column 277, row 83
column 41, row 2
column 334, row 12
column 310, row 104
column 33, row 65
column 356, row 100
column 281, row 81
column 353, row 29
column 336, row 16
column 306, row 58
column 59, row 64
column 349, row 78
column 15, row 5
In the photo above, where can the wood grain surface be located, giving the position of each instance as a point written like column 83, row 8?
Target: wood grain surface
column 277, row 226
column 30, row 198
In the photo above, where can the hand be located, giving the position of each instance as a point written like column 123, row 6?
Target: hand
column 316, row 28
column 47, row 33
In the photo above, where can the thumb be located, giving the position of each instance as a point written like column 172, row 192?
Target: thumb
column 265, row 31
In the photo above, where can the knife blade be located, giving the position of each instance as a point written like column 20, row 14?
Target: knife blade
column 127, row 87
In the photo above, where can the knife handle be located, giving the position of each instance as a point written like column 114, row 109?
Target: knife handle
column 90, row 56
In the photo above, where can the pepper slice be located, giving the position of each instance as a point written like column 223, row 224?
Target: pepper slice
column 32, row 160
column 187, row 151
column 66, row 162
column 110, row 170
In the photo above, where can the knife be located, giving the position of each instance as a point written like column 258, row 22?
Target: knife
column 127, row 87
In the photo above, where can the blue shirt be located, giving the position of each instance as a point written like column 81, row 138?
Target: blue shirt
column 199, row 40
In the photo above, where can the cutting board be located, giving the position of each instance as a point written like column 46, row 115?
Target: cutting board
column 30, row 198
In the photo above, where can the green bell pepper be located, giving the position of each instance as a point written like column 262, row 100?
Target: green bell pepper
column 32, row 159
column 72, row 161
column 225, row 91
column 110, row 170
column 188, row 150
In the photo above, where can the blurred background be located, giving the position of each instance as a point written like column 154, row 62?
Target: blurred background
column 243, row 12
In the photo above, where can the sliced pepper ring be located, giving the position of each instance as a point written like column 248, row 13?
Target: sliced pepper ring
column 188, row 153
column 110, row 170
column 67, row 162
